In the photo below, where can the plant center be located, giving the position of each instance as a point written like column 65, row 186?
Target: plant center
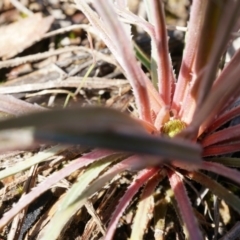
column 173, row 127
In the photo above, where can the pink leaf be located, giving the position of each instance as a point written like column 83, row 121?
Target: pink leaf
column 226, row 135
column 50, row 181
column 140, row 179
column 145, row 207
column 222, row 170
column 192, row 38
column 222, row 119
column 160, row 54
column 221, row 149
column 184, row 205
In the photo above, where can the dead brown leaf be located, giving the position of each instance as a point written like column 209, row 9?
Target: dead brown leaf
column 16, row 37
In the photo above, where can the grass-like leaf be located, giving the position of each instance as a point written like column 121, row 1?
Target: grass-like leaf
column 142, row 57
column 226, row 161
column 184, row 206
column 229, row 115
column 161, row 68
column 75, row 197
column 138, row 182
column 228, row 134
column 110, row 129
column 40, row 157
column 222, row 16
column 145, row 208
column 189, row 54
column 50, row 181
column 222, row 170
column 114, row 30
column 221, row 149
column 216, row 189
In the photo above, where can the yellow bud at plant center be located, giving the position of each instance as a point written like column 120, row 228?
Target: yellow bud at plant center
column 173, row 127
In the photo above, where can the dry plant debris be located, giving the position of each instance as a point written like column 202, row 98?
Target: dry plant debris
column 20, row 35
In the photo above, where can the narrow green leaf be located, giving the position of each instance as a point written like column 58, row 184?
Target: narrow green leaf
column 227, row 161
column 142, row 57
column 81, row 162
column 76, row 197
column 38, row 158
column 216, row 189
column 89, row 175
